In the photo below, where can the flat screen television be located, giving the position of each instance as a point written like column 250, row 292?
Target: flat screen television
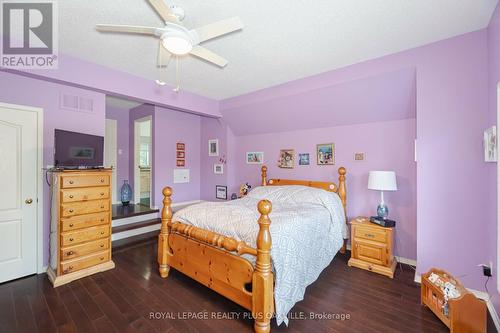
column 78, row 150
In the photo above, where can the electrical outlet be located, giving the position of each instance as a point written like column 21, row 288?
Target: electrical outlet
column 487, row 271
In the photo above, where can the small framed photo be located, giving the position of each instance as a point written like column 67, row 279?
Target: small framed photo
column 213, row 147
column 181, row 146
column 325, row 154
column 181, row 163
column 287, row 158
column 181, row 154
column 255, row 157
column 490, row 144
column 304, row 159
column 221, row 192
column 359, row 156
column 218, row 169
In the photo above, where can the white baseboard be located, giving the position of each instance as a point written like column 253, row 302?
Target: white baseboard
column 135, row 232
column 134, row 219
column 479, row 294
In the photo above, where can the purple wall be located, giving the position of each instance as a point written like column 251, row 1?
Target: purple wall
column 141, row 111
column 387, row 145
column 170, row 127
column 122, row 123
column 212, row 129
column 494, row 79
column 21, row 90
column 452, row 112
column 80, row 73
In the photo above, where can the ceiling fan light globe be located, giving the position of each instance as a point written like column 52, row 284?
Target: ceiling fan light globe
column 177, row 45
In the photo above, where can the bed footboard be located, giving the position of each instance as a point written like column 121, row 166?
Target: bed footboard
column 214, row 260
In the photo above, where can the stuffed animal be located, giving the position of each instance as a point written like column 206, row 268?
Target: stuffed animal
column 244, row 188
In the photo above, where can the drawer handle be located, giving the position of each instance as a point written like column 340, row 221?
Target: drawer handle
column 102, row 180
column 102, row 193
column 369, row 235
column 70, row 253
column 102, row 220
column 71, row 210
column 71, row 196
column 71, row 225
column 102, row 207
column 102, row 258
column 102, row 245
column 71, row 182
column 102, row 232
column 70, row 268
column 370, row 267
column 71, row 239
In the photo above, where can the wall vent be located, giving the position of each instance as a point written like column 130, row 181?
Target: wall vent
column 76, row 103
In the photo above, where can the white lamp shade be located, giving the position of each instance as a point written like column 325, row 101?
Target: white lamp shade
column 382, row 181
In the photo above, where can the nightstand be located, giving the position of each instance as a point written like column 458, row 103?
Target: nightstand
column 371, row 247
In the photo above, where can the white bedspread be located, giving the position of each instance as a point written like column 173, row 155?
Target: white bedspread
column 307, row 229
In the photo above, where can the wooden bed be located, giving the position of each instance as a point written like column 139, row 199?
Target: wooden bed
column 215, row 260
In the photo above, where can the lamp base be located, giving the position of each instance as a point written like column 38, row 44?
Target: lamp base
column 382, row 211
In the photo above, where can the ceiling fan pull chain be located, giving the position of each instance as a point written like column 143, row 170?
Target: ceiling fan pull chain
column 177, row 80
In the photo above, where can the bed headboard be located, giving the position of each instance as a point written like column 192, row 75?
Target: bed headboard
column 340, row 189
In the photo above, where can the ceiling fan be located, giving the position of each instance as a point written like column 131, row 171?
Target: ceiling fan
column 175, row 39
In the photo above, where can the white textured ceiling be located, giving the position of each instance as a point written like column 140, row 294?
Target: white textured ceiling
column 283, row 40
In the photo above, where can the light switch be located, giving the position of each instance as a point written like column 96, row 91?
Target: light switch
column 181, row 176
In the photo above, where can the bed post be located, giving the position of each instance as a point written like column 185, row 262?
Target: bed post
column 263, row 175
column 262, row 280
column 166, row 220
column 343, row 196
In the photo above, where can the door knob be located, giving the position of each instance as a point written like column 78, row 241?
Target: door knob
column 28, row 201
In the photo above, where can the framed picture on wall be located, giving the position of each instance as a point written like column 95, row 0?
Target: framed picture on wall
column 181, row 163
column 181, row 146
column 255, row 157
column 287, row 158
column 218, row 169
column 490, row 144
column 304, row 159
column 325, row 154
column 213, row 147
column 221, row 192
column 181, row 154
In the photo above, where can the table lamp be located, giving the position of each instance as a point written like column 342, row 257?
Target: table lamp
column 382, row 181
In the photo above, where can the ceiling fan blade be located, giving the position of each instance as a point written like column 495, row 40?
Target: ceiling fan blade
column 132, row 29
column 163, row 56
column 164, row 11
column 220, row 28
column 206, row 54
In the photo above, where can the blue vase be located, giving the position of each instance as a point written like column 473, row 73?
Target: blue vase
column 126, row 193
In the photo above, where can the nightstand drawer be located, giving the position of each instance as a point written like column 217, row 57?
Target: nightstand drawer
column 371, row 252
column 370, row 234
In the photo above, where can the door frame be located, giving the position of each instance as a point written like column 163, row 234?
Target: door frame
column 137, row 175
column 114, row 195
column 40, row 268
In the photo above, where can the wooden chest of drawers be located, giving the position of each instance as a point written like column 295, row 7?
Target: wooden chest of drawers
column 372, row 247
column 80, row 225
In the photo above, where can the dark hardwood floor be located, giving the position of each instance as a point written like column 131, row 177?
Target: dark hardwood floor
column 126, row 298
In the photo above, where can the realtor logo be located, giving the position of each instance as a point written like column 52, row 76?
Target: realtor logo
column 29, row 34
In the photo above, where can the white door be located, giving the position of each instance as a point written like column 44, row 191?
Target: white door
column 110, row 150
column 18, row 194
